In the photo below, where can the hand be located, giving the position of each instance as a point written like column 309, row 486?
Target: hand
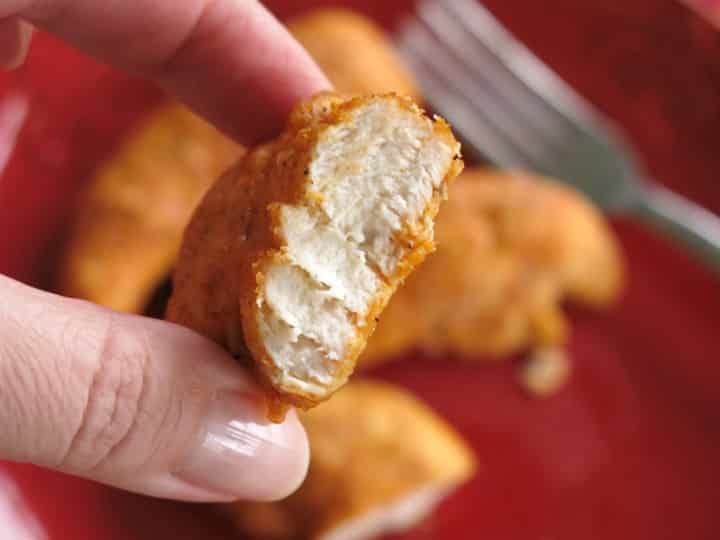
column 230, row 60
column 133, row 402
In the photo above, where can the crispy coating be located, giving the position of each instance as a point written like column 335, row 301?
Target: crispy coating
column 237, row 237
column 354, row 52
column 393, row 447
column 129, row 226
column 511, row 248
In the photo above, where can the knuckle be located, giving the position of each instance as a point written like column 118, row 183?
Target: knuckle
column 182, row 49
column 114, row 403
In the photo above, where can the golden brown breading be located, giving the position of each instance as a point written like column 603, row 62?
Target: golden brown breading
column 293, row 254
column 375, row 449
column 511, row 248
column 129, row 226
column 354, row 52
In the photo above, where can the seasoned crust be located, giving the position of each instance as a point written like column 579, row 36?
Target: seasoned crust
column 375, row 450
column 354, row 52
column 363, row 178
column 128, row 229
column 511, row 248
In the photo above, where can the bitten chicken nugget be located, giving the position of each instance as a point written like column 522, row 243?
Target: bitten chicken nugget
column 293, row 254
column 511, row 248
column 354, row 52
column 129, row 225
column 380, row 462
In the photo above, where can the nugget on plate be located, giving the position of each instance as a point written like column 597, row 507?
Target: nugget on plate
column 129, row 225
column 511, row 248
column 292, row 255
column 354, row 52
column 380, row 462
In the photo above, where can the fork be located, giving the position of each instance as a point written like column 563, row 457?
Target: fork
column 514, row 111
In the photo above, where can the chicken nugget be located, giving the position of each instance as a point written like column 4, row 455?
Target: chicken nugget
column 354, row 52
column 128, row 229
column 511, row 248
column 293, row 254
column 380, row 462
column 129, row 225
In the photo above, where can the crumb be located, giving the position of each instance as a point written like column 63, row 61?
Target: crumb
column 545, row 372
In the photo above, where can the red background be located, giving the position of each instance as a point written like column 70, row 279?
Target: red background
column 630, row 449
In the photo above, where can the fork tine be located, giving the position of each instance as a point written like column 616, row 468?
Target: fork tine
column 494, row 109
column 435, row 66
column 479, row 22
column 487, row 68
column 471, row 47
column 439, row 90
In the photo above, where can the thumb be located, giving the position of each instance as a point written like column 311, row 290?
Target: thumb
column 135, row 403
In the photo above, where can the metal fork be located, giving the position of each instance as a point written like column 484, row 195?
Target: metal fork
column 512, row 109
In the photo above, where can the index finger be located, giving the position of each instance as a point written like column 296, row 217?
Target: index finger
column 230, row 60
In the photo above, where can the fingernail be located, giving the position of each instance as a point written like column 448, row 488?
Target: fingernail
column 240, row 454
column 15, row 36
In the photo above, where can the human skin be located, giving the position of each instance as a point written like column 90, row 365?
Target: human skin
column 231, row 61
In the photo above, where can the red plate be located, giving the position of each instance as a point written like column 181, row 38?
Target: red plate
column 629, row 450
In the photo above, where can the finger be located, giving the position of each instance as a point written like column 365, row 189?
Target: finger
column 229, row 59
column 15, row 36
column 136, row 403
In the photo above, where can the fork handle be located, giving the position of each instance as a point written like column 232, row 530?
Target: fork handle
column 689, row 223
